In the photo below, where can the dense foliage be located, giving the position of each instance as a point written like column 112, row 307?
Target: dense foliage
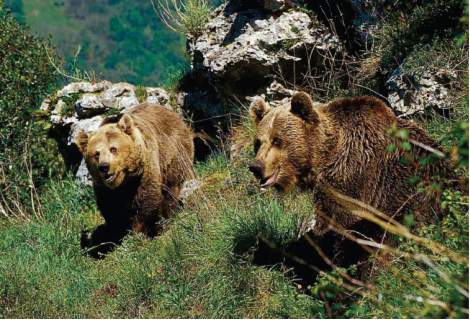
column 26, row 76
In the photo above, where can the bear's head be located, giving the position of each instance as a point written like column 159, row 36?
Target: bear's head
column 113, row 152
column 284, row 140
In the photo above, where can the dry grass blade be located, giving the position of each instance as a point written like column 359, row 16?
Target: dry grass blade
column 371, row 214
column 11, row 203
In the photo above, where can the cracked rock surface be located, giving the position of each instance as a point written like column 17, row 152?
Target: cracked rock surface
column 243, row 45
column 409, row 95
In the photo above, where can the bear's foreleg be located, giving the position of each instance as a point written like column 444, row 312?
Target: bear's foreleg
column 103, row 239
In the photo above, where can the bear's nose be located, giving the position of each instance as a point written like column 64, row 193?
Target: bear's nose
column 103, row 167
column 257, row 169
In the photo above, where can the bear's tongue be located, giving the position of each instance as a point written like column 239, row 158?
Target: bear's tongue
column 109, row 177
column 272, row 180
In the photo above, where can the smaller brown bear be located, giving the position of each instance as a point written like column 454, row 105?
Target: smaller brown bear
column 138, row 164
column 342, row 146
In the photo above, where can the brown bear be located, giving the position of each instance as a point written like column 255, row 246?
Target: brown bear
column 138, row 163
column 341, row 148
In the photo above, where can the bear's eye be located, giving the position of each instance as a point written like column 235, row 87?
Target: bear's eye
column 276, row 142
column 113, row 150
column 257, row 145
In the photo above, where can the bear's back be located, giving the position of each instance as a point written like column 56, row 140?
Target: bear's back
column 365, row 167
column 157, row 118
column 360, row 111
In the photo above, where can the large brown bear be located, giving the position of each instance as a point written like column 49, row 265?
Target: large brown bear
column 342, row 149
column 138, row 164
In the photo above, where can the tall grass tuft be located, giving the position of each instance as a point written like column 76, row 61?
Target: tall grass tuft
column 184, row 16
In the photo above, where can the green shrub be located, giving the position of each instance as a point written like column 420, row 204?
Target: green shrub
column 424, row 285
column 27, row 156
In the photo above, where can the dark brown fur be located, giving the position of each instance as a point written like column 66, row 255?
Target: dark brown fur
column 343, row 145
column 153, row 159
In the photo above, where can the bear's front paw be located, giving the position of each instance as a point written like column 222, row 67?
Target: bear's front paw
column 85, row 239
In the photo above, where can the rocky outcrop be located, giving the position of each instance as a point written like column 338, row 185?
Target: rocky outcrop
column 409, row 95
column 243, row 48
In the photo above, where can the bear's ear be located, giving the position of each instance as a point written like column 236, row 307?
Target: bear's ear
column 258, row 109
column 82, row 141
column 302, row 106
column 126, row 124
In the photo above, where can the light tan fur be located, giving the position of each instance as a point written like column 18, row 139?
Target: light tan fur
column 149, row 153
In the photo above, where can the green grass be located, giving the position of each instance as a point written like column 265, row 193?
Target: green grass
column 190, row 271
column 201, row 266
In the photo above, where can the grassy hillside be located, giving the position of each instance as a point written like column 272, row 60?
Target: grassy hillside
column 203, row 266
column 207, row 262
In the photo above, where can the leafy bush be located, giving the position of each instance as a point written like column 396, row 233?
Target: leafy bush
column 426, row 285
column 27, row 156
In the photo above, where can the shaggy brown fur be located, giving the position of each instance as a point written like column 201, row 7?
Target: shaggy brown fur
column 342, row 145
column 138, row 165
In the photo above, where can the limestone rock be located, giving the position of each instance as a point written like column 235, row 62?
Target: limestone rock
column 409, row 95
column 158, row 96
column 120, row 96
column 82, row 175
column 87, row 125
column 89, row 105
column 240, row 49
column 83, row 87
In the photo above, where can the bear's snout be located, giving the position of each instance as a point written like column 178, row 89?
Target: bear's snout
column 257, row 169
column 103, row 167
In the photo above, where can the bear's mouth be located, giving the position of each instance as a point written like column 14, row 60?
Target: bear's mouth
column 271, row 180
column 109, row 178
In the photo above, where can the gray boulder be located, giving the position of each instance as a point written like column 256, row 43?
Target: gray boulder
column 412, row 94
column 89, row 105
column 241, row 50
column 120, row 96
